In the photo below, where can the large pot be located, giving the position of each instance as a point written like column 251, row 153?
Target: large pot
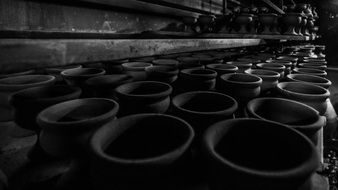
column 236, row 150
column 269, row 78
column 309, row 94
column 242, row 66
column 78, row 76
column 167, row 74
column 320, row 81
column 139, row 151
column 56, row 71
column 197, row 79
column 277, row 67
column 143, row 97
column 308, row 71
column 136, row 69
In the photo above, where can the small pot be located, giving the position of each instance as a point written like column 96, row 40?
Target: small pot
column 242, row 66
column 166, row 62
column 243, row 20
column 279, row 68
column 311, row 65
column 6, row 75
column 268, row 20
column 315, row 72
column 237, row 150
column 309, row 94
column 56, row 71
column 297, row 115
column 67, row 126
column 269, row 78
column 320, row 81
column 143, row 97
column 78, row 76
column 136, row 69
column 157, row 146
column 161, row 73
column 243, row 87
column 197, row 79
column 104, row 86
column 203, row 108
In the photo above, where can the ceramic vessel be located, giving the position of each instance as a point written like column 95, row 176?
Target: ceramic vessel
column 143, row 97
column 166, row 62
column 14, row 74
column 243, row 20
column 114, row 66
column 206, row 22
column 242, row 66
column 315, row 72
column 267, row 20
column 56, row 71
column 279, row 68
column 236, row 150
column 78, row 76
column 189, row 22
column 136, row 69
column 222, row 68
column 189, row 63
column 288, row 65
column 197, row 79
column 269, row 78
column 161, row 73
column 311, row 65
column 203, row 108
column 320, row 81
column 157, row 146
column 291, row 21
column 309, row 94
column 67, row 126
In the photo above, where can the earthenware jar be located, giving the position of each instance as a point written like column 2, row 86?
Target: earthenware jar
column 309, row 94
column 279, row 68
column 291, row 21
column 166, row 62
column 56, row 71
column 14, row 74
column 288, row 65
column 161, row 73
column 157, row 147
column 309, row 71
column 189, row 63
column 104, row 86
column 242, row 66
column 114, row 66
column 143, row 97
column 314, row 65
column 267, row 20
column 197, row 79
column 203, row 108
column 136, row 70
column 244, row 20
column 222, row 68
column 189, row 22
column 237, row 150
column 312, row 79
column 78, row 76
column 269, row 78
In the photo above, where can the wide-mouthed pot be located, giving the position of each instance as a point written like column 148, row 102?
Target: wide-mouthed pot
column 311, row 65
column 245, row 151
column 56, row 71
column 222, row 68
column 78, row 76
column 197, row 79
column 309, row 94
column 309, row 71
column 161, row 73
column 269, row 78
column 320, row 81
column 242, row 66
column 143, row 97
column 277, row 67
column 136, row 69
column 203, row 108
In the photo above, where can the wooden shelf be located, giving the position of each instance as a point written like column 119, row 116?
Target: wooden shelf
column 23, row 54
column 258, row 36
column 273, row 6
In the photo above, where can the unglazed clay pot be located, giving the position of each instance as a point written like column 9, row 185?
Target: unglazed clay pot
column 222, row 68
column 6, row 75
column 244, row 152
column 311, row 65
column 243, row 87
column 156, row 147
column 166, row 62
column 269, row 78
column 197, row 79
column 56, row 71
column 161, row 73
column 315, row 72
column 143, row 97
column 320, row 81
column 288, row 65
column 114, row 66
column 136, row 69
column 78, row 76
column 104, row 86
column 309, row 94
column 242, row 66
column 189, row 63
column 267, row 20
column 299, row 116
column 67, row 126
column 291, row 21
column 244, row 20
column 203, row 108
column 279, row 68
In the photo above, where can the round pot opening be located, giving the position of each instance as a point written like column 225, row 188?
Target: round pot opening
column 144, row 88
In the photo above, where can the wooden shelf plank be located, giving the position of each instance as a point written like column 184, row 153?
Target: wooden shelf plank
column 23, row 54
column 257, row 36
column 273, row 6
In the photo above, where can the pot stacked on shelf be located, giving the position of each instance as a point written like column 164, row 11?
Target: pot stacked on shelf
column 158, row 120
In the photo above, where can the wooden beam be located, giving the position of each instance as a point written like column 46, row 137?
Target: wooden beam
column 273, row 6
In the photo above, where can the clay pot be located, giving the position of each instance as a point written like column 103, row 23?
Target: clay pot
column 166, row 62
column 114, row 67
column 288, row 65
column 309, row 94
column 203, row 108
column 56, row 71
column 143, row 97
column 136, row 70
column 299, row 116
column 206, row 22
column 311, row 65
column 197, row 79
column 222, row 68
column 161, row 73
column 67, row 126
column 189, row 63
column 269, row 78
column 288, row 58
column 237, row 150
column 315, row 72
column 279, row 68
column 320, row 81
column 291, row 21
column 157, row 146
column 104, row 86
column 243, row 20
column 6, row 75
column 267, row 20
column 189, row 21
column 243, row 87
column 242, row 66
column 78, row 76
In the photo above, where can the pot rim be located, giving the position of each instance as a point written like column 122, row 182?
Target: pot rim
column 213, row 66
column 271, row 66
column 130, row 66
column 62, row 68
column 226, row 111
column 295, row 172
column 280, row 87
column 93, row 80
column 96, row 142
column 47, row 79
column 239, row 63
column 14, row 74
column 211, row 73
column 164, row 93
column 66, row 73
column 326, row 83
column 317, row 72
column 274, row 74
column 257, row 82
column 170, row 70
column 171, row 62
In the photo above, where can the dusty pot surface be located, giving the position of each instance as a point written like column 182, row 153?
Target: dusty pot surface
column 67, row 126
column 197, row 79
column 136, row 70
column 269, row 78
column 243, row 87
column 161, row 73
column 309, row 94
column 242, row 66
column 166, row 62
column 155, row 144
column 277, row 67
column 6, row 75
column 237, row 150
column 143, row 97
column 203, row 108
column 320, row 81
column 311, row 65
column 29, row 102
column 309, row 71
column 295, row 114
column 78, row 76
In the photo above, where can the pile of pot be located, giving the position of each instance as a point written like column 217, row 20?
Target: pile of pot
column 167, row 121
